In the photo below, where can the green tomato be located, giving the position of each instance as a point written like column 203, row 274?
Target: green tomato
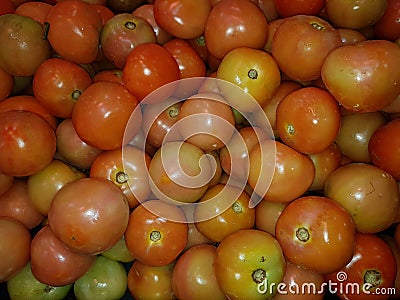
column 106, row 279
column 119, row 252
column 24, row 285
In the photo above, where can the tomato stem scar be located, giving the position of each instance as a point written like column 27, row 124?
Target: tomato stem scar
column 121, row 177
column 237, row 208
column 317, row 26
column 130, row 25
column 302, row 234
column 259, row 275
column 253, row 74
column 76, row 94
column 373, row 277
column 155, row 236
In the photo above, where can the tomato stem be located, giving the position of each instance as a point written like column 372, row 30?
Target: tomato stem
column 373, row 277
column 259, row 275
column 302, row 234
column 155, row 236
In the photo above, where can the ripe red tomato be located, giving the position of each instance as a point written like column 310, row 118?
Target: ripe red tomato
column 89, row 215
column 28, row 143
column 372, row 268
column 287, row 8
column 235, row 23
column 388, row 27
column 316, row 233
column 148, row 67
column 34, row 10
column 58, row 84
column 384, row 148
column 101, row 115
column 308, row 119
column 156, row 233
column 73, row 23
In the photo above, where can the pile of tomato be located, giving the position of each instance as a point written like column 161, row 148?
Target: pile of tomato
column 200, row 149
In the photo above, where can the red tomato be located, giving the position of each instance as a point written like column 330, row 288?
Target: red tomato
column 89, row 215
column 372, row 268
column 235, row 23
column 156, row 233
column 287, row 8
column 384, row 148
column 388, row 27
column 148, row 67
column 316, row 233
column 74, row 23
column 34, row 10
column 7, row 7
column 28, row 143
column 308, row 120
column 176, row 17
column 58, row 84
column 101, row 115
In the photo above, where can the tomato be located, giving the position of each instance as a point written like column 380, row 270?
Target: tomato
column 355, row 133
column 303, row 38
column 35, row 10
column 176, row 17
column 267, row 214
column 223, row 210
column 58, row 84
column 195, row 237
column 370, row 194
column 28, row 103
column 308, row 120
column 6, row 182
column 350, row 36
column 7, row 7
column 249, row 263
column 23, row 47
column 16, row 203
column 193, row 276
column 28, row 143
column 7, row 84
column 72, row 149
column 127, row 167
column 253, row 70
column 119, row 252
column 105, row 12
column 234, row 23
column 372, row 268
column 146, row 11
column 272, row 165
column 113, row 75
column 53, row 263
column 145, row 69
column 101, row 115
column 363, row 77
column 89, row 215
column 180, row 172
column 150, row 282
column 156, row 233
column 354, row 14
column 289, row 8
column 381, row 140
column 43, row 185
column 15, row 245
column 106, row 279
column 387, row 26
column 74, row 30
column 121, row 34
column 316, row 233
column 301, row 284
column 206, row 121
column 24, row 285
column 121, row 6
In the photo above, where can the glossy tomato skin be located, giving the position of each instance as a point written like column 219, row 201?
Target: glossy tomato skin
column 235, row 23
column 308, row 120
column 247, row 263
column 387, row 26
column 73, row 23
column 176, row 17
column 28, row 143
column 89, row 215
column 369, row 193
column 55, row 264
column 156, row 232
column 302, row 229
column 287, row 8
column 145, row 69
column 373, row 267
column 58, row 84
column 363, row 77
column 306, row 38
column 21, row 56
column 102, row 113
column 383, row 148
